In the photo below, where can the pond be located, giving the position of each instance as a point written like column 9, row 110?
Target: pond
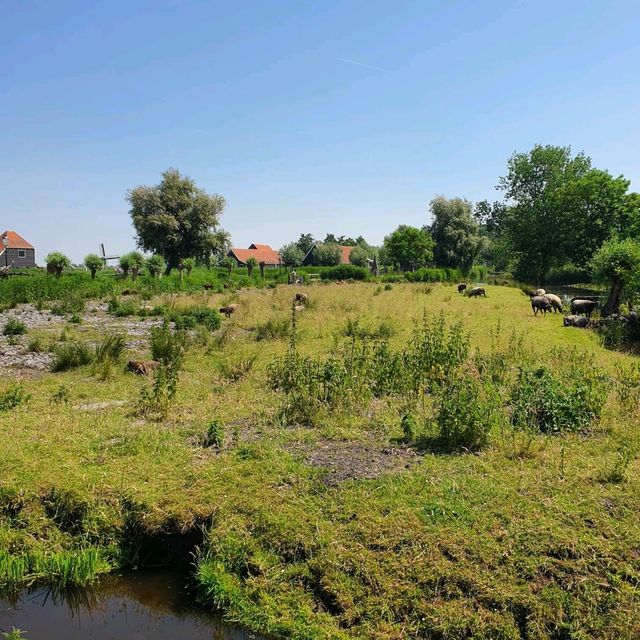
column 143, row 605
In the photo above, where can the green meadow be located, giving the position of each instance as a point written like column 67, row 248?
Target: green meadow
column 385, row 461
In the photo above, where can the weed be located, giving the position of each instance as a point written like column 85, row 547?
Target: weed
column 409, row 427
column 549, row 403
column 14, row 634
column 13, row 397
column 167, row 347
column 214, row 436
column 14, row 327
column 61, row 395
column 465, row 415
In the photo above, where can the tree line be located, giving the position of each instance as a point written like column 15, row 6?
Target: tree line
column 556, row 211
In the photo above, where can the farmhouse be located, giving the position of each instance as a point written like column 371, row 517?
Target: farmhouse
column 15, row 251
column 345, row 254
column 263, row 253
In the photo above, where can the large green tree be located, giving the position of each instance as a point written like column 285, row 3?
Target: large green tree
column 327, row 254
column 617, row 263
column 408, row 247
column 176, row 219
column 455, row 232
column 305, row 243
column 291, row 254
column 535, row 223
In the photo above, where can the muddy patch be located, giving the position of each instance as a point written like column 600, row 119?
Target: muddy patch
column 357, row 460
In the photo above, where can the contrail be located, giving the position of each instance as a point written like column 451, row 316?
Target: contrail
column 362, row 64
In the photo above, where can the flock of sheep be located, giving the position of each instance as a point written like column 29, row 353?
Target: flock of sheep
column 541, row 301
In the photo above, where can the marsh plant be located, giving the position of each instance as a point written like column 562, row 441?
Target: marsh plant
column 71, row 355
column 214, row 436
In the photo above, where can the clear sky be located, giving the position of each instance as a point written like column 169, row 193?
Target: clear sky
column 308, row 116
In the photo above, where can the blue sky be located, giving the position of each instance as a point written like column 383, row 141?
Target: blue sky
column 342, row 117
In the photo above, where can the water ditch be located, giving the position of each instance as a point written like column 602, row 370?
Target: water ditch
column 142, row 605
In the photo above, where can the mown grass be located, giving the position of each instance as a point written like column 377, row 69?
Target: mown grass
column 534, row 535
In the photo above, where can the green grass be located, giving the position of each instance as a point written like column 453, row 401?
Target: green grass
column 534, row 535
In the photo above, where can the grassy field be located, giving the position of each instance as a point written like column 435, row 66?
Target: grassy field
column 328, row 506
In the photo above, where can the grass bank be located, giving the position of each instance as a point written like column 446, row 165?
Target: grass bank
column 400, row 485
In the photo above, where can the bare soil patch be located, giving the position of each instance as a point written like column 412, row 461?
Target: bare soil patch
column 352, row 460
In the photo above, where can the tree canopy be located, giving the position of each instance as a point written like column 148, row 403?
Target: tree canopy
column 455, row 232
column 326, row 254
column 292, row 255
column 408, row 247
column 176, row 219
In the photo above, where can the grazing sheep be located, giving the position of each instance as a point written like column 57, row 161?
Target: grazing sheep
column 576, row 321
column 555, row 301
column 461, row 287
column 207, row 286
column 228, row 309
column 142, row 367
column 540, row 303
column 477, row 291
column 539, row 292
column 302, row 298
column 580, row 306
column 298, row 308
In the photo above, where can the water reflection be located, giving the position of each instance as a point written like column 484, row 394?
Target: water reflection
column 145, row 605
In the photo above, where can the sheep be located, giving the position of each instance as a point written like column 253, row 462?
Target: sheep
column 228, row 309
column 575, row 321
column 142, row 367
column 477, row 291
column 461, row 287
column 302, row 298
column 539, row 292
column 207, row 286
column 540, row 303
column 555, row 301
column 580, row 306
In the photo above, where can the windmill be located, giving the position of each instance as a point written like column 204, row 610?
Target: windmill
column 104, row 256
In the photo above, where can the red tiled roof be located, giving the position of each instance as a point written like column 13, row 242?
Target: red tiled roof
column 345, row 254
column 15, row 241
column 261, row 252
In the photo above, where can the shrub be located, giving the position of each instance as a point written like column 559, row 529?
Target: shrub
column 189, row 318
column 14, row 327
column 346, row 272
column 71, row 355
column 466, row 414
column 35, row 346
column 94, row 263
column 155, row 265
column 546, row 402
column 56, row 263
column 409, row 427
column 13, row 397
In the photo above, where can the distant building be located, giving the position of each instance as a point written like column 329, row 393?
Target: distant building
column 263, row 254
column 15, row 251
column 345, row 255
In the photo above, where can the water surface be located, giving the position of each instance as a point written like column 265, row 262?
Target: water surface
column 147, row 605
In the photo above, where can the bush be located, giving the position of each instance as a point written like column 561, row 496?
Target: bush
column 466, row 414
column 346, row 272
column 546, row 402
column 189, row 318
column 14, row 327
column 71, row 355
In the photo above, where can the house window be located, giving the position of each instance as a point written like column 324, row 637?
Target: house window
column 22, row 253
